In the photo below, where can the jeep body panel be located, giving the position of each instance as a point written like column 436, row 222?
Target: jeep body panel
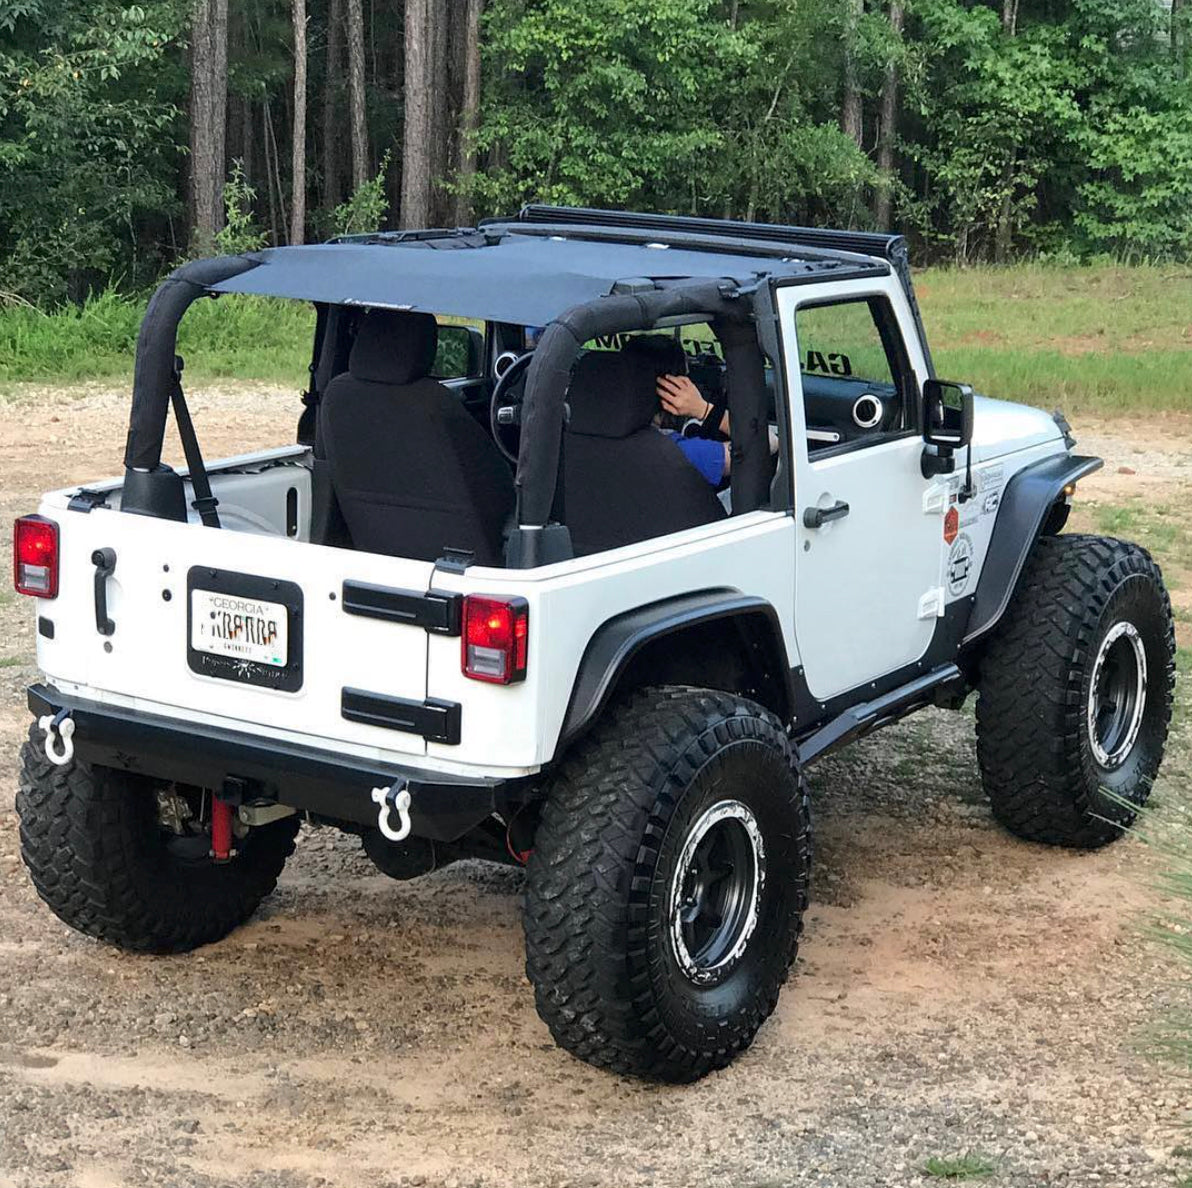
column 1029, row 495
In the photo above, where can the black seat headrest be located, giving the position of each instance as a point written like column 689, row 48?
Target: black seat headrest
column 394, row 347
column 665, row 352
column 612, row 394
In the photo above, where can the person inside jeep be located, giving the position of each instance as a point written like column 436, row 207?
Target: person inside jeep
column 684, row 420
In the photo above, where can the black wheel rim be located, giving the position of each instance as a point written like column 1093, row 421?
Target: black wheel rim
column 1117, row 695
column 715, row 892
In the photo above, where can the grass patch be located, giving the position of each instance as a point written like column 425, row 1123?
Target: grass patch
column 1152, row 527
column 9, row 661
column 241, row 337
column 971, row 1166
column 1102, row 339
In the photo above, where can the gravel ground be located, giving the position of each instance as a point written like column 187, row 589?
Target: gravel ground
column 957, row 991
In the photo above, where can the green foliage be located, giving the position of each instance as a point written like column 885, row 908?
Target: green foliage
column 1068, row 135
column 667, row 105
column 970, row 1166
column 366, row 209
column 240, row 232
column 89, row 134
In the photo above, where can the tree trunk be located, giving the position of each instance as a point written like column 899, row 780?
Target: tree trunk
column 850, row 108
column 888, row 131
column 1003, row 238
column 208, row 120
column 1176, row 5
column 469, row 115
column 298, row 150
column 277, row 206
column 416, row 151
column 360, row 162
column 247, row 142
column 440, row 108
column 330, row 133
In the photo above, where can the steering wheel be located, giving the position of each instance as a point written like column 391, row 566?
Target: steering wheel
column 504, row 409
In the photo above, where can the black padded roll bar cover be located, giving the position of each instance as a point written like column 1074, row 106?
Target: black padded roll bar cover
column 746, row 369
column 153, row 373
column 558, row 350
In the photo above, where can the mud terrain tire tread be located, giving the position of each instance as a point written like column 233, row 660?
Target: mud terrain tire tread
column 596, row 849
column 1032, row 741
column 88, row 839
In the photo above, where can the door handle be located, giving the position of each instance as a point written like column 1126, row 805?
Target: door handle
column 104, row 561
column 817, row 517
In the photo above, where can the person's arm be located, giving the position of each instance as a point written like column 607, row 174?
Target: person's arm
column 681, row 397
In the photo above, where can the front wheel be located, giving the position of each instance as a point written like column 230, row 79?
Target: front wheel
column 666, row 890
column 1076, row 691
column 127, row 860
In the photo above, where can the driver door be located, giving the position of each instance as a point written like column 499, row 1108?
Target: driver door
column 868, row 561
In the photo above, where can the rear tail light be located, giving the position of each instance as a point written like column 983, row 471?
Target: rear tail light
column 496, row 637
column 35, row 557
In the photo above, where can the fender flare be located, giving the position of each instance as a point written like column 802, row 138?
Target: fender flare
column 615, row 643
column 1028, row 497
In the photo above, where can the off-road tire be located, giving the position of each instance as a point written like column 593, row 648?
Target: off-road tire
column 90, row 838
column 599, row 947
column 1035, row 745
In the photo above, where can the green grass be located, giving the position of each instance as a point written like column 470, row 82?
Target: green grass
column 970, row 1166
column 1152, row 527
column 1099, row 339
column 233, row 337
column 10, row 661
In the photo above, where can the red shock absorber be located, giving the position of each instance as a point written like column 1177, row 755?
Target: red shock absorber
column 221, row 829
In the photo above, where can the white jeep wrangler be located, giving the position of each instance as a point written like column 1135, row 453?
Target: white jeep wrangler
column 490, row 606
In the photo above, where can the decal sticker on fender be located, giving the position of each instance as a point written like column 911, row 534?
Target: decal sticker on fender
column 990, row 477
column 960, row 565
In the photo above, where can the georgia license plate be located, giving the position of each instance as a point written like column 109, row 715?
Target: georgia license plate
column 244, row 628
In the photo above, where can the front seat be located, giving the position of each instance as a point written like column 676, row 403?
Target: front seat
column 623, row 480
column 412, row 472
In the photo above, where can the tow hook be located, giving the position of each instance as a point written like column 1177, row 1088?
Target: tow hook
column 59, row 729
column 395, row 799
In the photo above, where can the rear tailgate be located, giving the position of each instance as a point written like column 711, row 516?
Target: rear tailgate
column 252, row 630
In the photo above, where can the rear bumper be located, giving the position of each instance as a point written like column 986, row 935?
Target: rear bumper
column 306, row 778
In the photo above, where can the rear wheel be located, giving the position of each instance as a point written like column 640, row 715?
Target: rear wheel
column 666, row 890
column 1076, row 691
column 127, row 860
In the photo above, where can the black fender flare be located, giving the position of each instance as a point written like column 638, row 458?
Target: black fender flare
column 615, row 643
column 1028, row 497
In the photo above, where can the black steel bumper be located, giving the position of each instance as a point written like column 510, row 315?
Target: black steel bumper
column 306, row 778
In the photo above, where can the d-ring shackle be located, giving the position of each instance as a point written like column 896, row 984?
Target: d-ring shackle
column 395, row 799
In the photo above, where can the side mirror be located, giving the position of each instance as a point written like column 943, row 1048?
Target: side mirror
column 460, row 354
column 947, row 414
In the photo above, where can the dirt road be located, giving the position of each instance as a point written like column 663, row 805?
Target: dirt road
column 957, row 991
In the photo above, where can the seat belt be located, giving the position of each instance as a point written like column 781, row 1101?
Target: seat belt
column 204, row 502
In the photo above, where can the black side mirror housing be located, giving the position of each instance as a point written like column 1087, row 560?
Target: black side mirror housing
column 947, row 414
column 460, row 354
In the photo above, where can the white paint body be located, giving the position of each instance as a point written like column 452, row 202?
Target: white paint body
column 854, row 598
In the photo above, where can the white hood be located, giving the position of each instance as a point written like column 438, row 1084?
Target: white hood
column 1000, row 427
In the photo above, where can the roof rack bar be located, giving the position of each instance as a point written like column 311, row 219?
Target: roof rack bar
column 865, row 242
column 892, row 248
column 689, row 241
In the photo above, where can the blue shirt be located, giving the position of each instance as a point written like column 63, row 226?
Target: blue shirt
column 705, row 455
